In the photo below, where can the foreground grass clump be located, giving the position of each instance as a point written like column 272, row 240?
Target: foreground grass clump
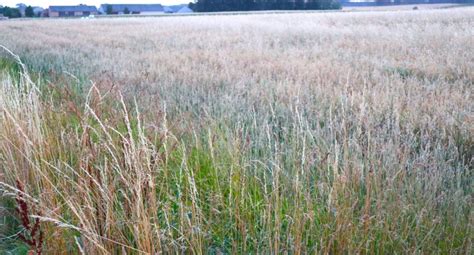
column 101, row 178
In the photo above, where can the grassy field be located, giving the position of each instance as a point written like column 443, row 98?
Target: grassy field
column 404, row 7
column 299, row 133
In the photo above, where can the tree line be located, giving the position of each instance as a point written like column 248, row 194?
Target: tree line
column 16, row 13
column 260, row 5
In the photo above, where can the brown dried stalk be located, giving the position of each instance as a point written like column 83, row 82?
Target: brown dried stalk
column 34, row 234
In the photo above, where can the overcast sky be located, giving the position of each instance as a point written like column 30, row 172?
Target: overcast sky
column 46, row 3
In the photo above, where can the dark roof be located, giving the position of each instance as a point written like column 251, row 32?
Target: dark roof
column 133, row 7
column 74, row 8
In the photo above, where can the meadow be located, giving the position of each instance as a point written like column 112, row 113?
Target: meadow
column 295, row 133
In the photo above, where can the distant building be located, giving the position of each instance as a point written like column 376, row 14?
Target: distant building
column 167, row 9
column 177, row 7
column 185, row 9
column 45, row 13
column 72, row 11
column 182, row 8
column 142, row 9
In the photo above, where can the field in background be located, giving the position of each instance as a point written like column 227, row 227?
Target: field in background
column 404, row 7
column 270, row 133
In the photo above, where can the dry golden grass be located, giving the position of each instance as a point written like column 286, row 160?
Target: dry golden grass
column 404, row 7
column 272, row 133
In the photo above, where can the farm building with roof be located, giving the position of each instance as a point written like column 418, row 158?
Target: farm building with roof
column 72, row 11
column 185, row 9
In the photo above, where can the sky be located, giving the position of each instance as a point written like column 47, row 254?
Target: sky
column 46, row 3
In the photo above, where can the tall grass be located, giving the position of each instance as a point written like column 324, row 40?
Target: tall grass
column 302, row 157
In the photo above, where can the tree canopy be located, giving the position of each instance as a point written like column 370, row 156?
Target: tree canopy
column 29, row 12
column 109, row 9
column 256, row 5
column 11, row 12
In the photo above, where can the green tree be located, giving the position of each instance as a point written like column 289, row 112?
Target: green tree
column 29, row 12
column 109, row 9
column 11, row 12
column 247, row 5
